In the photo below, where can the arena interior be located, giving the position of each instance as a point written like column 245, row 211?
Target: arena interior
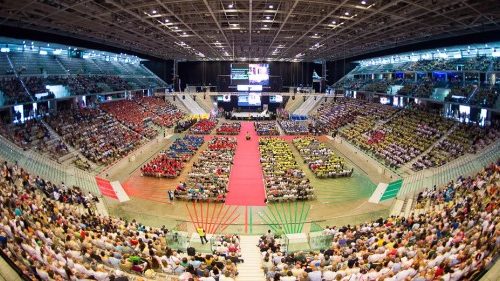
column 249, row 140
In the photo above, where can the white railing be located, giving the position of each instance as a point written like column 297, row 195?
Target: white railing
column 463, row 166
column 46, row 168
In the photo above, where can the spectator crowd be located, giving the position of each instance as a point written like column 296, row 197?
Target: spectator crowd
column 209, row 176
column 294, row 127
column 203, row 126
column 229, row 128
column 283, row 178
column 169, row 163
column 52, row 232
column 454, row 243
column 320, row 159
column 266, row 129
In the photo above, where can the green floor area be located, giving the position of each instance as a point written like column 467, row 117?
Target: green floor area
column 332, row 190
column 392, row 190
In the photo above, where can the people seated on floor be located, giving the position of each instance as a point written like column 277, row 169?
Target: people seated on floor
column 203, row 127
column 169, row 163
column 229, row 128
column 283, row 178
column 455, row 242
column 209, row 176
column 294, row 127
column 266, row 128
column 184, row 125
column 320, row 159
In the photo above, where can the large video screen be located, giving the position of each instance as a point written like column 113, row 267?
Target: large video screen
column 250, row 74
column 249, row 100
column 258, row 74
column 239, row 73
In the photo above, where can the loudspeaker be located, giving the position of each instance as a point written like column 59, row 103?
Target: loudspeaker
column 183, row 97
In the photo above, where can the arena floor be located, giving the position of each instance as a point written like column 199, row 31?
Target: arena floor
column 339, row 201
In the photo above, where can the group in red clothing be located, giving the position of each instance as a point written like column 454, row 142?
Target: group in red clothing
column 169, row 163
column 229, row 129
column 203, row 127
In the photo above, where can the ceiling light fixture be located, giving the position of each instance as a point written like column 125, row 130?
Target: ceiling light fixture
column 363, row 2
column 268, row 17
column 334, row 22
column 154, row 11
column 167, row 20
column 346, row 13
column 271, row 6
column 230, row 6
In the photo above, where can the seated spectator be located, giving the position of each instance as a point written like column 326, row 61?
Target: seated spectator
column 229, row 129
column 132, row 115
column 165, row 114
column 435, row 245
column 320, row 159
column 266, row 129
column 209, row 176
column 184, row 125
column 203, row 127
column 294, row 127
column 97, row 135
column 464, row 139
column 13, row 90
column 169, row 163
column 283, row 179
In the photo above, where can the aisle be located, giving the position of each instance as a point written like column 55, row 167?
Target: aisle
column 246, row 186
column 251, row 269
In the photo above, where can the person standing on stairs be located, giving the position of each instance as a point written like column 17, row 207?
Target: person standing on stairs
column 202, row 234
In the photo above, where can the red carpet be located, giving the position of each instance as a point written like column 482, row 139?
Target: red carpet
column 105, row 188
column 246, row 186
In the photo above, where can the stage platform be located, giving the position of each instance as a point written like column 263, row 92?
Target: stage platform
column 265, row 115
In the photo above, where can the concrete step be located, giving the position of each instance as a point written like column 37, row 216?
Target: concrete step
column 251, row 269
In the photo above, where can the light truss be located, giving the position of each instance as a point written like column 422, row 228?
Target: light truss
column 253, row 29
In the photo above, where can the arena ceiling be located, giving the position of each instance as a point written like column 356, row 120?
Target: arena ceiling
column 253, row 29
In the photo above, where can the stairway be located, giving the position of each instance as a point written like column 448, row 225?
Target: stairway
column 191, row 105
column 72, row 152
column 307, row 106
column 251, row 269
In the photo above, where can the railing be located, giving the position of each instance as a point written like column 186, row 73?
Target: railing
column 46, row 168
column 463, row 166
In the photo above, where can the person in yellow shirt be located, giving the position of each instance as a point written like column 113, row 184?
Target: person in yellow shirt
column 202, row 234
